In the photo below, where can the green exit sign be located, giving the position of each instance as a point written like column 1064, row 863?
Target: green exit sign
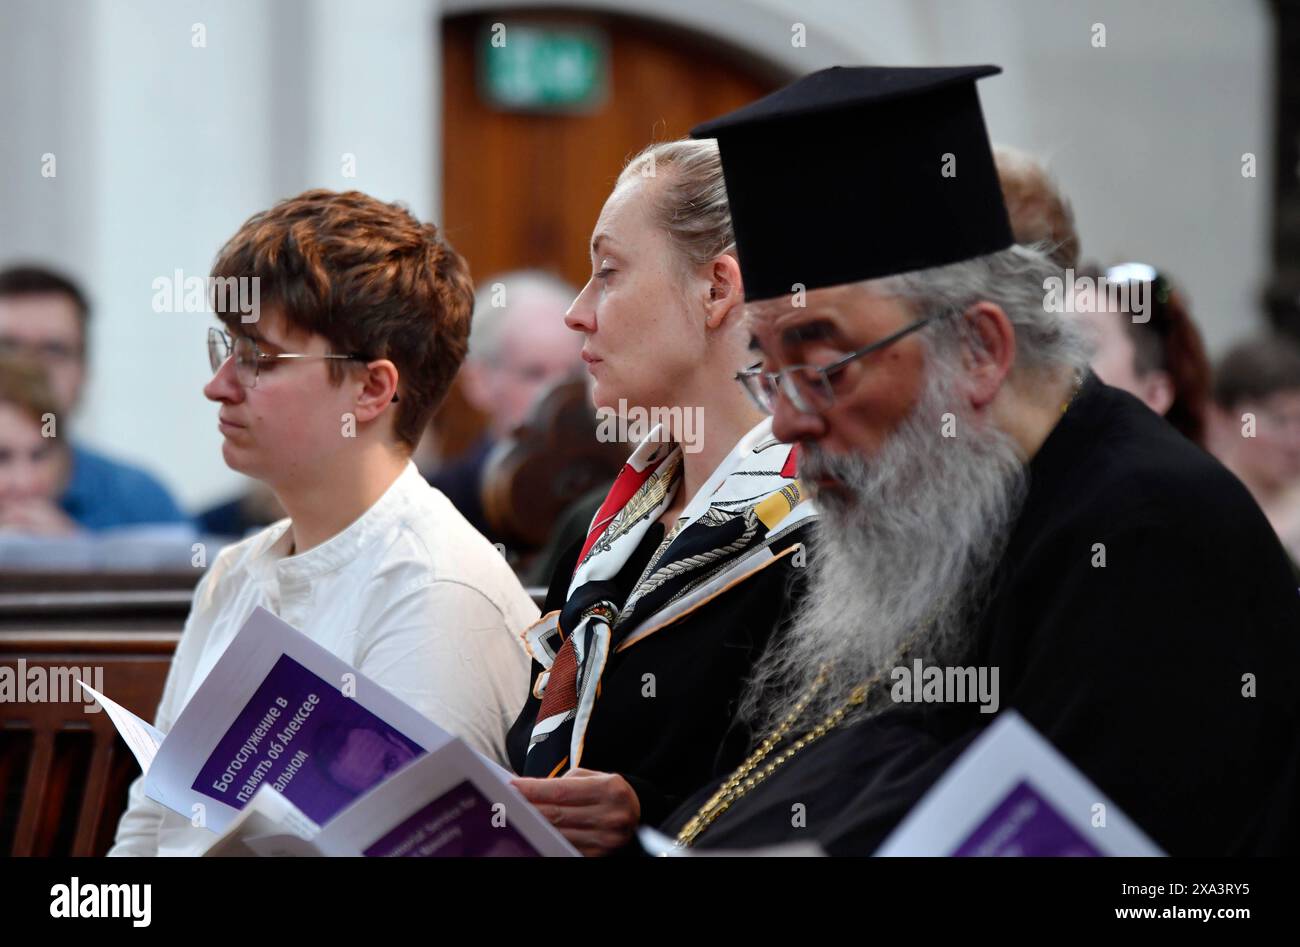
column 543, row 68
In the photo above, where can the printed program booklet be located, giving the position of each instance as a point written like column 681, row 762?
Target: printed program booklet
column 285, row 749
column 1012, row 793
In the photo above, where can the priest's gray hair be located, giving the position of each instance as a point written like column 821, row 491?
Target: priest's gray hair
column 1017, row 281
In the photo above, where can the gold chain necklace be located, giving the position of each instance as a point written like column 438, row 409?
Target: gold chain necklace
column 1074, row 391
column 745, row 779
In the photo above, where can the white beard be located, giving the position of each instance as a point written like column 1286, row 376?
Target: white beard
column 903, row 565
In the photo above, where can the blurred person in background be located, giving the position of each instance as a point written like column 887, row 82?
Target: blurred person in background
column 33, row 459
column 1159, row 359
column 44, row 317
column 1156, row 356
column 518, row 348
column 1039, row 212
column 1255, row 428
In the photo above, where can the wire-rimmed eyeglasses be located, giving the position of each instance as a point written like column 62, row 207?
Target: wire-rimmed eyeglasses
column 248, row 358
column 808, row 387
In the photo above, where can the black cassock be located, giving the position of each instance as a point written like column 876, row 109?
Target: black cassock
column 1137, row 671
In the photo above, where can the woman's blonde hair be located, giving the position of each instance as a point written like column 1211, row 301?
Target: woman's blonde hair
column 692, row 203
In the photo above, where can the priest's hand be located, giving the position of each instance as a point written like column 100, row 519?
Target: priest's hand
column 596, row 812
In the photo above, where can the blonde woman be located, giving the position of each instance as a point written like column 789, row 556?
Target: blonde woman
column 654, row 621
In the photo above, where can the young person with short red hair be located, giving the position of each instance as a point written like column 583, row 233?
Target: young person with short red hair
column 363, row 321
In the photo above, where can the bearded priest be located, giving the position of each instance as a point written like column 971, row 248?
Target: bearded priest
column 986, row 503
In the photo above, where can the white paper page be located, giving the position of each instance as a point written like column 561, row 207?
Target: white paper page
column 285, row 845
column 500, row 812
column 1009, row 754
column 268, row 813
column 497, row 769
column 248, row 839
column 141, row 738
column 231, row 686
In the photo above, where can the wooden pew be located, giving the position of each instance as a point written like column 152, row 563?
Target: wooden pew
column 64, row 773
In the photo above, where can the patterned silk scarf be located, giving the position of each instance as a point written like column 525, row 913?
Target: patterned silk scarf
column 723, row 534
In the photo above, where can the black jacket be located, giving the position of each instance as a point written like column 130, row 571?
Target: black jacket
column 667, row 702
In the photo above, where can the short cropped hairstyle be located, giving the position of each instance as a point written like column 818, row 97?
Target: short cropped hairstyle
column 1038, row 211
column 30, row 279
column 1253, row 371
column 486, row 335
column 371, row 279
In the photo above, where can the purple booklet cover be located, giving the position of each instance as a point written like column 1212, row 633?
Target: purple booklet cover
column 459, row 823
column 302, row 736
column 1025, row 824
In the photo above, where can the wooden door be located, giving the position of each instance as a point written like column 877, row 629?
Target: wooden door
column 523, row 189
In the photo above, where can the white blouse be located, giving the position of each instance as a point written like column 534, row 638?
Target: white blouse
column 410, row 594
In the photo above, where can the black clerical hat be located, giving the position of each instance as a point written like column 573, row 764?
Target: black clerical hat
column 856, row 173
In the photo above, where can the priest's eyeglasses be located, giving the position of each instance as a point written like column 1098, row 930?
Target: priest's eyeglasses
column 248, row 358
column 807, row 387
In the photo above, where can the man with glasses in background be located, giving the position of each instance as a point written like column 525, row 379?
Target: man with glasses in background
column 987, row 505
column 363, row 324
column 43, row 318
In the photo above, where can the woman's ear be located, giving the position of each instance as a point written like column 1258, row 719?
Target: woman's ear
column 724, row 288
